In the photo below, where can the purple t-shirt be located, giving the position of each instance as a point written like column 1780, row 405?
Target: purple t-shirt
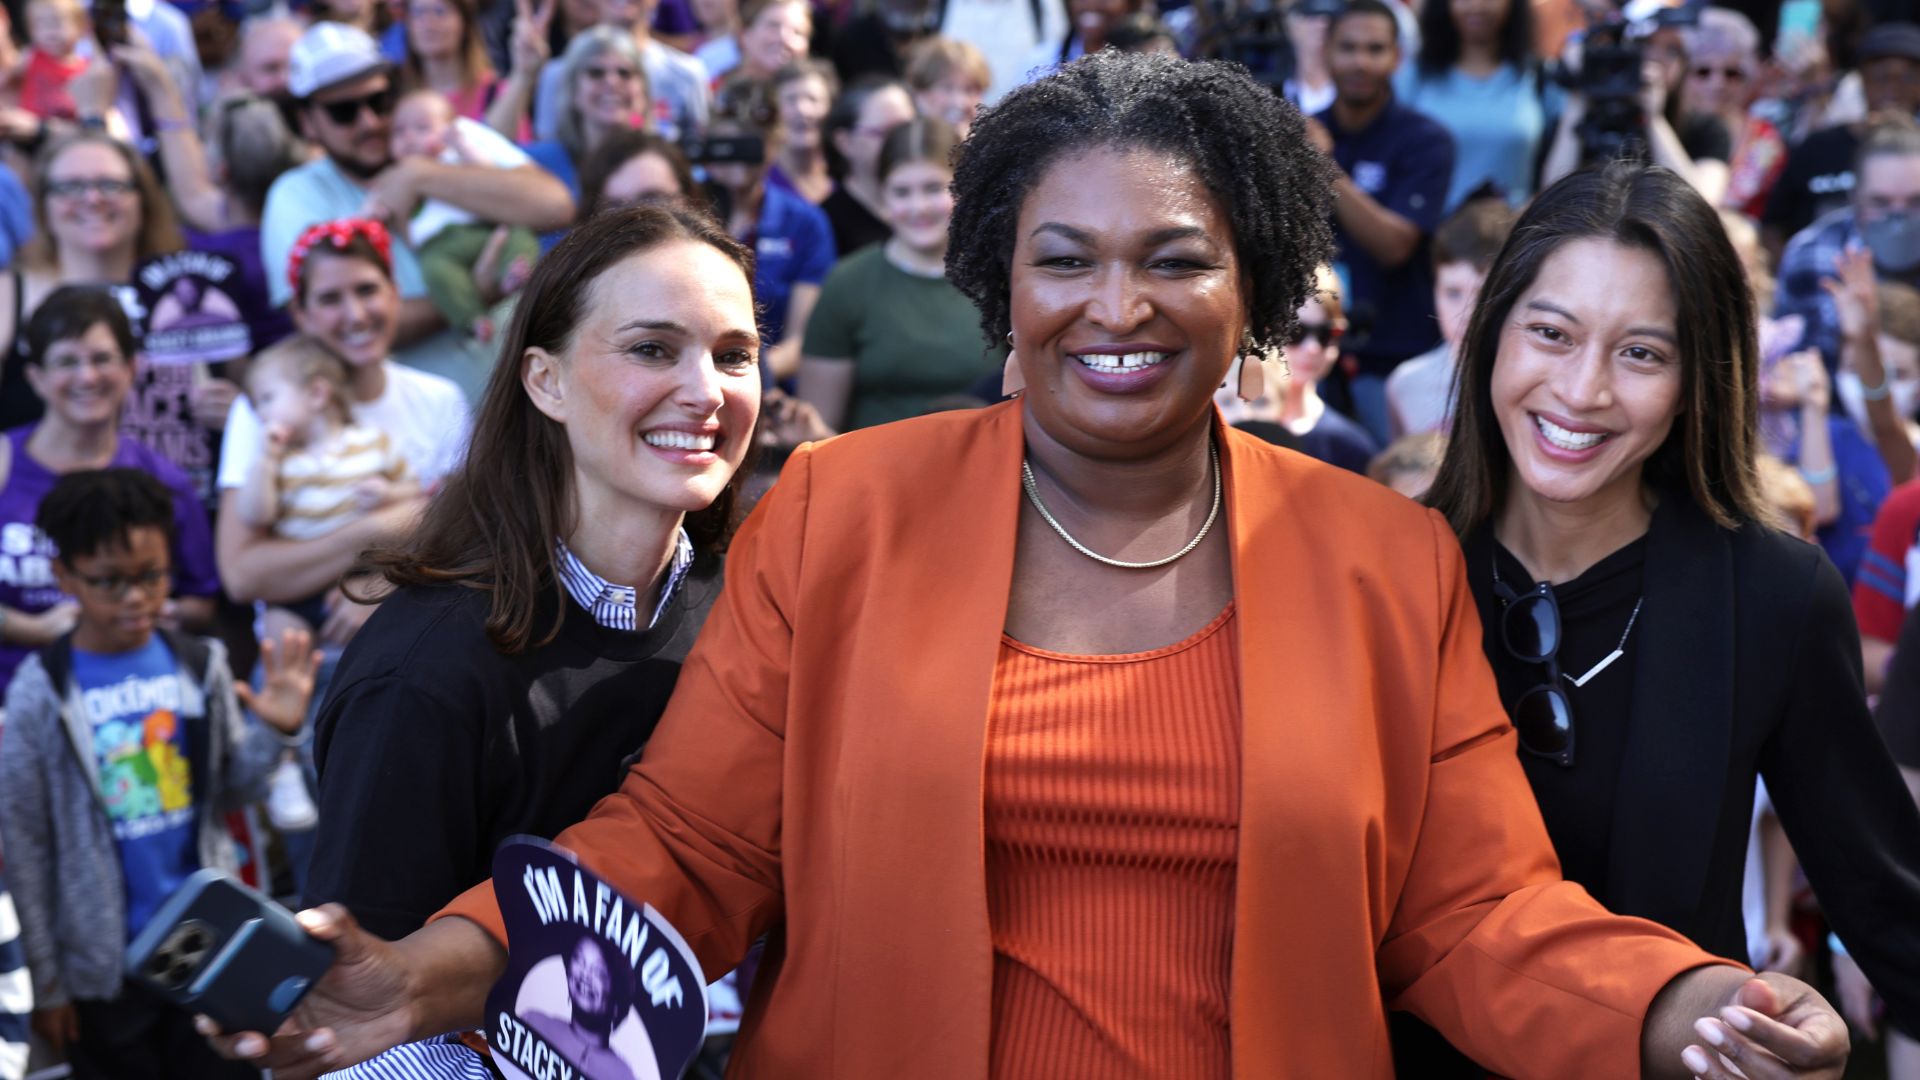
column 26, row 555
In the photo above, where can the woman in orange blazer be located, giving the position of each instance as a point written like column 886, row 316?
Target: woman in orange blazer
column 832, row 770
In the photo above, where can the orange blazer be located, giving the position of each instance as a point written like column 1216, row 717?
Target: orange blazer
column 818, row 775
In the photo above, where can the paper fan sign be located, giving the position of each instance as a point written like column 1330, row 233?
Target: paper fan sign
column 597, row 987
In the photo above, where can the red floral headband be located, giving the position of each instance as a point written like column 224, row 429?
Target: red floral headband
column 337, row 235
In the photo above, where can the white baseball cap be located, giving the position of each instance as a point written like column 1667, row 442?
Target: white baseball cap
column 330, row 53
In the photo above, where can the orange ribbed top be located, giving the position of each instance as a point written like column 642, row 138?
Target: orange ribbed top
column 1112, row 829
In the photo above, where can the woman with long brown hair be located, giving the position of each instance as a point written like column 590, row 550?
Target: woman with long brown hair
column 540, row 614
column 445, row 53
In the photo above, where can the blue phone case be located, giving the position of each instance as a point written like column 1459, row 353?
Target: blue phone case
column 220, row 948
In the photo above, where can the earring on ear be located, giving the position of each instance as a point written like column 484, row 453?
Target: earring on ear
column 1253, row 378
column 1012, row 380
column 1253, row 369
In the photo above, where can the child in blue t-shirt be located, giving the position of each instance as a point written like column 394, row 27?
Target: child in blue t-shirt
column 125, row 747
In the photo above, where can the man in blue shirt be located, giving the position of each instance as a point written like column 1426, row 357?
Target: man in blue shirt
column 1394, row 166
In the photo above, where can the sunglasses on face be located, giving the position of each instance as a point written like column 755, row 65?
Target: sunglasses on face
column 379, row 103
column 1530, row 630
column 102, row 186
column 1324, row 333
column 114, row 587
column 1731, row 74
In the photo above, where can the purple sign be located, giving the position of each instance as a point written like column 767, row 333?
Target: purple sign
column 597, row 987
column 193, row 315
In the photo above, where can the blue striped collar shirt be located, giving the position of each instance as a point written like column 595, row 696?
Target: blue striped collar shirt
column 617, row 607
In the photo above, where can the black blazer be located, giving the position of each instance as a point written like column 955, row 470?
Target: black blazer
column 1749, row 663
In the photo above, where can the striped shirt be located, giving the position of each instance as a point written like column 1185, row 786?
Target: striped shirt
column 16, row 992
column 617, row 607
column 319, row 487
column 443, row 1057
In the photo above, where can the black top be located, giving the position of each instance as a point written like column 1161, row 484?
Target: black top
column 854, row 226
column 1338, row 440
column 1594, row 609
column 1899, row 710
column 433, row 747
column 1705, row 137
column 1746, row 664
column 1818, row 177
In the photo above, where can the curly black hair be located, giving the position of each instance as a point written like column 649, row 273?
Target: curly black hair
column 1248, row 145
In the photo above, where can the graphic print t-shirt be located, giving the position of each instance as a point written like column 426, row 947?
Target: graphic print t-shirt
column 133, row 701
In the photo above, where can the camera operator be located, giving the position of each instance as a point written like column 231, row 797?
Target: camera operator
column 1697, row 147
column 791, row 239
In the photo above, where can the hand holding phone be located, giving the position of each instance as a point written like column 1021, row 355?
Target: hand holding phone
column 220, row 948
column 373, row 997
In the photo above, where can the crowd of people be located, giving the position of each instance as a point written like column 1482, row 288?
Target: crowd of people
column 384, row 386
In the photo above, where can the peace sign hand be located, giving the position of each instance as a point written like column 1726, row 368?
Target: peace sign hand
column 530, row 25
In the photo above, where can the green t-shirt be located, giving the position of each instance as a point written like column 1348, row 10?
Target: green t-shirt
column 912, row 339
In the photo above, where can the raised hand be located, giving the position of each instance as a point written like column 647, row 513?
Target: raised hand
column 1856, row 298
column 148, row 70
column 1806, row 375
column 287, row 689
column 530, row 26
column 93, row 90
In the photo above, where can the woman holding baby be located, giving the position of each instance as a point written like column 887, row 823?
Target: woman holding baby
column 345, row 301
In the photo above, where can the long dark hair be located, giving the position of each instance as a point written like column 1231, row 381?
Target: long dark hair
column 494, row 524
column 1709, row 454
column 1440, row 38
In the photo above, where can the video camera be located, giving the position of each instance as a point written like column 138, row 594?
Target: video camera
column 1612, row 58
column 1253, row 34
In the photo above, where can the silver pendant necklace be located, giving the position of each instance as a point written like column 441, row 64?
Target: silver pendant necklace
column 1619, row 649
column 1032, row 488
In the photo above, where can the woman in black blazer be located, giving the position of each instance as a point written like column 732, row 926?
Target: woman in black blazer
column 1658, row 645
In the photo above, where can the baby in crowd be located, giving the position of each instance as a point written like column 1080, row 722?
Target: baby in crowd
column 468, row 264
column 317, row 469
column 55, row 29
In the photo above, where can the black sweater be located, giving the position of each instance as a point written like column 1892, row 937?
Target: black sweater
column 433, row 747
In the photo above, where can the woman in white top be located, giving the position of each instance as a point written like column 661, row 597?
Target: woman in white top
column 343, row 296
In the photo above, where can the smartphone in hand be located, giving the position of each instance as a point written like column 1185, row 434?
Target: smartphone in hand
column 220, row 948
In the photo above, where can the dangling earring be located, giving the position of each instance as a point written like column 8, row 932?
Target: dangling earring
column 1253, row 378
column 1253, row 369
column 1012, row 380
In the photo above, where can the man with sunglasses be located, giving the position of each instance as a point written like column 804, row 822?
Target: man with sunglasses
column 1395, row 165
column 345, row 90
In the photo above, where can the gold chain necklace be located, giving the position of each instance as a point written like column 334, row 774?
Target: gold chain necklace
column 1033, row 495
